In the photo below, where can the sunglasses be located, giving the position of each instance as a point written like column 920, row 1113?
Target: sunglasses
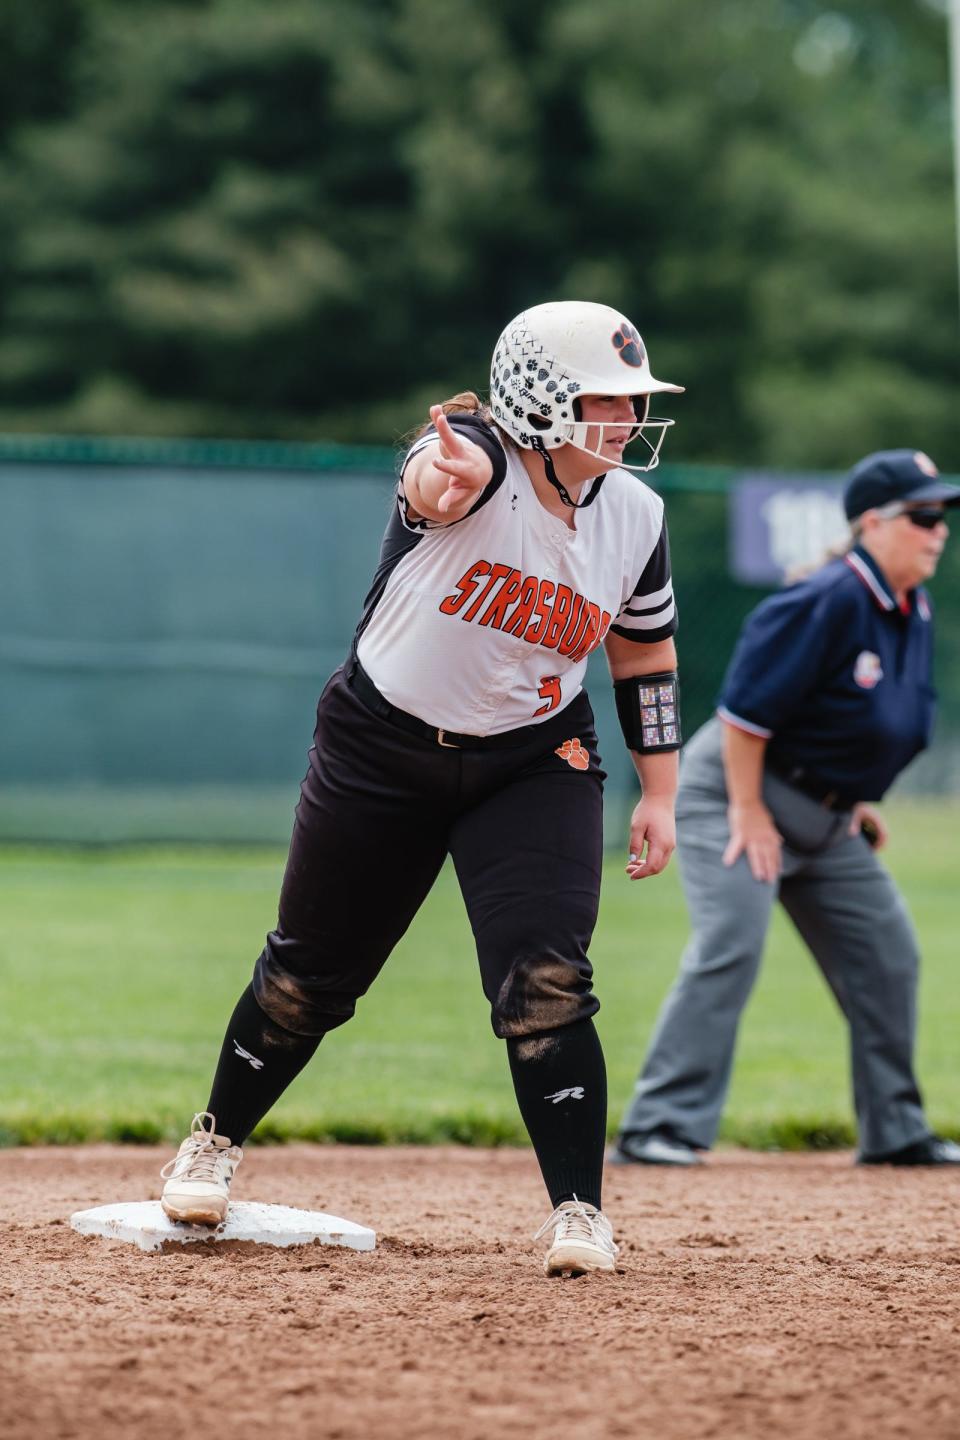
column 926, row 517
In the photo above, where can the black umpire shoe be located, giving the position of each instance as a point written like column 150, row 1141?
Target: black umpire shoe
column 931, row 1150
column 660, row 1147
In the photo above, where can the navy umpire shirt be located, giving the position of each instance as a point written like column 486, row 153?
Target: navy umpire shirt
column 838, row 678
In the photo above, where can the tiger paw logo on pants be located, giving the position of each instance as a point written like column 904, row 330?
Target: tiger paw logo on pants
column 574, row 754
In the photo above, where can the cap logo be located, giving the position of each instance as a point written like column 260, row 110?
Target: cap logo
column 924, row 463
column 628, row 344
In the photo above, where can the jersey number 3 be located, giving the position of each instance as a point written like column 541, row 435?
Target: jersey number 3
column 549, row 691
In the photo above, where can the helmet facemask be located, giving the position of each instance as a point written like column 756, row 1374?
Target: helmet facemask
column 580, row 429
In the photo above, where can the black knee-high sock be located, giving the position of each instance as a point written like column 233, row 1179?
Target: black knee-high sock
column 257, row 1063
column 561, row 1085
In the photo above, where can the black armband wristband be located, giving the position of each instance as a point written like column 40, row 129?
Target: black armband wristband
column 648, row 708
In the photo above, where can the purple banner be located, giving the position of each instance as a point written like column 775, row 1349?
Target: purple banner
column 782, row 523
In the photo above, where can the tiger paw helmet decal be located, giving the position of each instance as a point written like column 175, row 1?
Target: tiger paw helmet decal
column 629, row 346
column 574, row 754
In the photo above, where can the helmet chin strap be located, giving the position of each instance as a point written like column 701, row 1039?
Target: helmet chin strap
column 554, row 479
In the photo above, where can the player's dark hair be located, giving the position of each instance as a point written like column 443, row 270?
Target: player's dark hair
column 465, row 402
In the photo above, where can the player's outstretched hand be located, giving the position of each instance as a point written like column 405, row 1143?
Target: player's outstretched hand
column 753, row 833
column 653, row 837
column 467, row 468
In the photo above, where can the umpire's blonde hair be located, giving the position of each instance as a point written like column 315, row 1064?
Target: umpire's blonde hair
column 835, row 552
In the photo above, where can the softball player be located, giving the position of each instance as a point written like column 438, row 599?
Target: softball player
column 520, row 542
column 828, row 696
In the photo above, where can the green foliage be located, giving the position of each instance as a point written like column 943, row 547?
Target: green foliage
column 119, row 969
column 311, row 217
column 37, row 47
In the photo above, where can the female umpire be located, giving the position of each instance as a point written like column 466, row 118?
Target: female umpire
column 827, row 698
column 519, row 543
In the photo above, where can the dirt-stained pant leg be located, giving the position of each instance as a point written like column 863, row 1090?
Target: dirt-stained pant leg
column 368, row 843
column 528, row 858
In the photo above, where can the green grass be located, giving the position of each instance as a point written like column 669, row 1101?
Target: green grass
column 119, row 969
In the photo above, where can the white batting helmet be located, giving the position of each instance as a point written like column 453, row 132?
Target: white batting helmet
column 550, row 355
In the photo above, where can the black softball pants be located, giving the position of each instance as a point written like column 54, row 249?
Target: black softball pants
column 380, row 809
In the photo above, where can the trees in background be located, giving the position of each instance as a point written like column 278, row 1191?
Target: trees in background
column 310, row 218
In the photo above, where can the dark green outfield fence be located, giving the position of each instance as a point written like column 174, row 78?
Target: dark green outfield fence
column 170, row 611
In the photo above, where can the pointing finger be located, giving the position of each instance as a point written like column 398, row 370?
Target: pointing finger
column 448, row 437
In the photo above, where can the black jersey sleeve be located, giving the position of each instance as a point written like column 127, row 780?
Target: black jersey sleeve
column 474, row 428
column 650, row 613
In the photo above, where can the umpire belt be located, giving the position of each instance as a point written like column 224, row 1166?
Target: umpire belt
column 365, row 691
column 825, row 794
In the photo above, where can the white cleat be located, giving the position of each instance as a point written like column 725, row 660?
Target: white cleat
column 198, row 1179
column 582, row 1240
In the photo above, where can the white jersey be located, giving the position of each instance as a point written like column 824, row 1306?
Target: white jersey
column 485, row 624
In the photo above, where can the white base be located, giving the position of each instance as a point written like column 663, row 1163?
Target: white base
column 143, row 1223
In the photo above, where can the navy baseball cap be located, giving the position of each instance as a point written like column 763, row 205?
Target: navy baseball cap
column 891, row 475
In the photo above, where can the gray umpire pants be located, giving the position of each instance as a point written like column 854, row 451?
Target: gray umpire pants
column 848, row 911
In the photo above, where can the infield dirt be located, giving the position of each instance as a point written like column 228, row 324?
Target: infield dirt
column 758, row 1295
